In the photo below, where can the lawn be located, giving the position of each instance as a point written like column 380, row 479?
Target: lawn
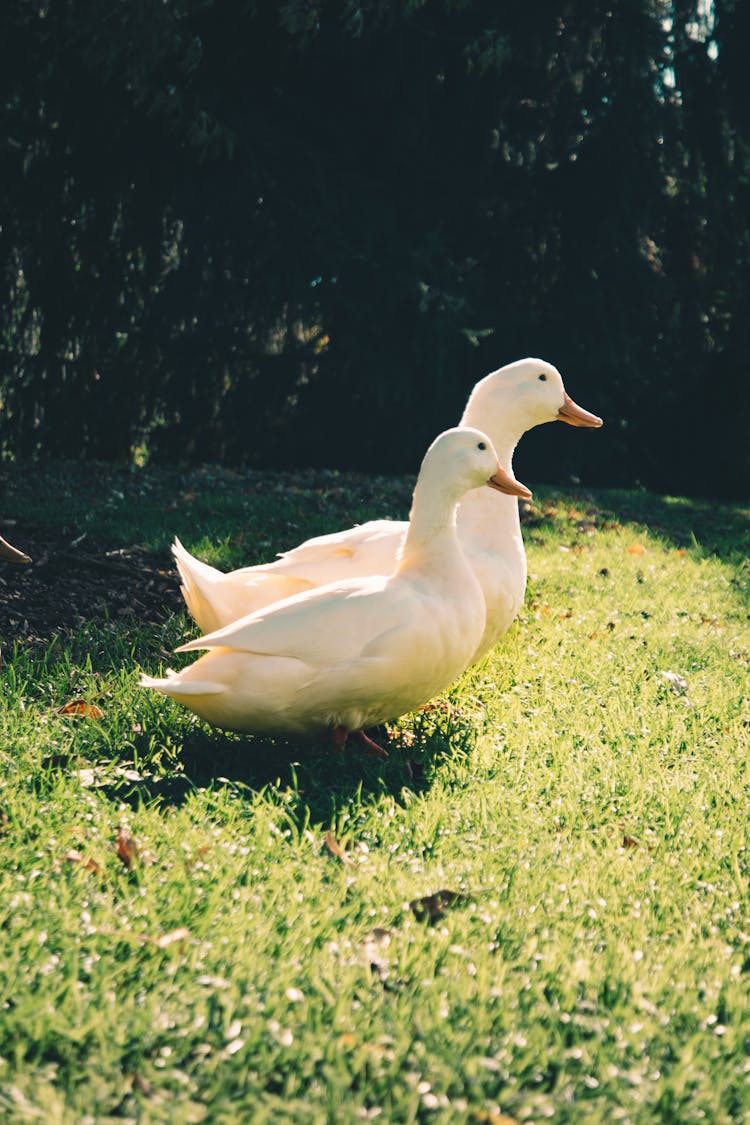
column 537, row 909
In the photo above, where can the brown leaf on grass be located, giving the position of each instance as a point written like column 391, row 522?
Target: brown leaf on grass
column 541, row 609
column 430, row 908
column 191, row 860
column 645, row 841
column 335, row 848
column 142, row 1085
column 81, row 709
column 636, row 549
column 128, row 851
column 73, row 856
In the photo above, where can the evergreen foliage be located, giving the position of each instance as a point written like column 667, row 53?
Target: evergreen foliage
column 298, row 232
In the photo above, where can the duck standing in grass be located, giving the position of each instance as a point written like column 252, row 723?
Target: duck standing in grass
column 357, row 652
column 505, row 404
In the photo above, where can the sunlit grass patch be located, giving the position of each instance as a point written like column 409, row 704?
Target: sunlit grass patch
column 258, row 950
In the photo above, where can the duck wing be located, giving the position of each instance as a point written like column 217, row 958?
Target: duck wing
column 321, row 627
column 374, row 539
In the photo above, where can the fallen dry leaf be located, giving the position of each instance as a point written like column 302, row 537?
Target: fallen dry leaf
column 636, row 549
column 430, row 908
column 190, row 860
column 127, row 849
column 73, row 856
column 142, row 1085
column 81, row 709
column 335, row 848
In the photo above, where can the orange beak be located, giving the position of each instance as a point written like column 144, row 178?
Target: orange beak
column 575, row 415
column 504, row 482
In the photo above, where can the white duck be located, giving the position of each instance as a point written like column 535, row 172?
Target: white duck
column 357, row 652
column 505, row 404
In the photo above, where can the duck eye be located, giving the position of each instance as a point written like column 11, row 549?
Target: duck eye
column 542, row 378
column 482, row 445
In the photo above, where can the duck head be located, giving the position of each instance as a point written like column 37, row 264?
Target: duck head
column 513, row 399
column 464, row 458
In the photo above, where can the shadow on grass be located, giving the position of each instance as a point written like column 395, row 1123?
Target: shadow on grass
column 715, row 529
column 703, row 526
column 315, row 781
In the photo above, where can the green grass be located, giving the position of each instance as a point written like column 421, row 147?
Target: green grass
column 591, row 816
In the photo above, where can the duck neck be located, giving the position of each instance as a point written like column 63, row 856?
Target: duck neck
column 484, row 513
column 431, row 533
column 504, row 436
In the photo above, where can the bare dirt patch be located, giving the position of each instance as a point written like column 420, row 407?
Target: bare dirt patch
column 69, row 582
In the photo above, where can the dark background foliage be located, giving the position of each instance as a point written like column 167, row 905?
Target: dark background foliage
column 297, row 233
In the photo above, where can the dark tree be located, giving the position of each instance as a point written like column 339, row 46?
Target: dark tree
column 284, row 233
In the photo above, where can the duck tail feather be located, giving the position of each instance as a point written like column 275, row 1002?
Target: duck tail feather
column 191, row 568
column 176, row 687
column 200, row 583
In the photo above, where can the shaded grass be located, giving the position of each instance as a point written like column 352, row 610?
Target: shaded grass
column 592, row 814
column 238, row 517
